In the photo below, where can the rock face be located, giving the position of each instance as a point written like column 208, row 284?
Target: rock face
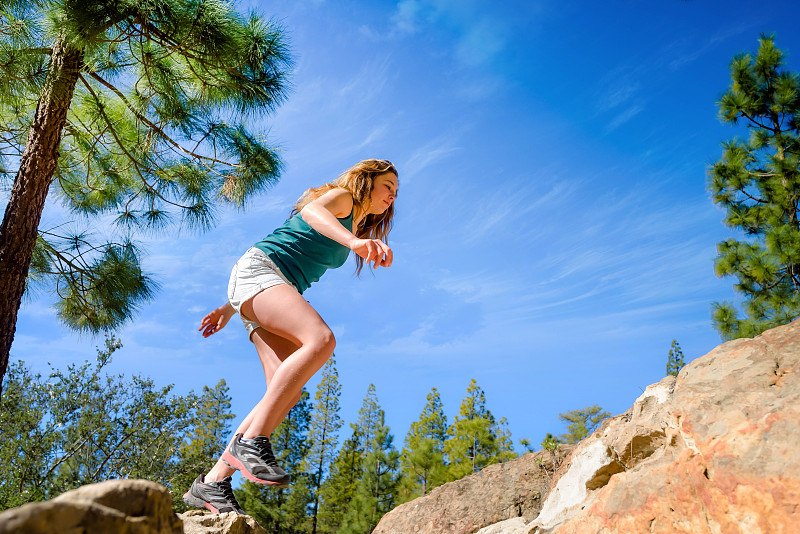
column 499, row 492
column 114, row 506
column 204, row 522
column 713, row 451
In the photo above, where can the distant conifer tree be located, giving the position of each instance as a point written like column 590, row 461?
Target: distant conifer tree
column 375, row 493
column 423, row 454
column 757, row 181
column 675, row 360
column 581, row 423
column 347, row 470
column 473, row 442
column 339, row 488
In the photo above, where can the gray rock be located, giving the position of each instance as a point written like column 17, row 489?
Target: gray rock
column 204, row 522
column 514, row 489
column 114, row 506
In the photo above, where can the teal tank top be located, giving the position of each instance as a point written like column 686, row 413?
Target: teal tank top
column 303, row 254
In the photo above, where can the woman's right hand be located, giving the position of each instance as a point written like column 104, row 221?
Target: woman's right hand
column 216, row 320
column 373, row 250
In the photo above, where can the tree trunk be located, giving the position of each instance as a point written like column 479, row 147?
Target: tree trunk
column 24, row 210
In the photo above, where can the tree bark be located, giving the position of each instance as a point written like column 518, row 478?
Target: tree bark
column 37, row 166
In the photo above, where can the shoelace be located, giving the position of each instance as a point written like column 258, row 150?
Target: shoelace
column 265, row 451
column 227, row 491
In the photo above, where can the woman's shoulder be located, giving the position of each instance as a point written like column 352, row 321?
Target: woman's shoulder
column 338, row 201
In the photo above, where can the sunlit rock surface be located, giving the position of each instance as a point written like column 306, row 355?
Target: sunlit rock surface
column 114, row 506
column 714, row 450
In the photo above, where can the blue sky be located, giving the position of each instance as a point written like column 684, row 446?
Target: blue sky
column 553, row 232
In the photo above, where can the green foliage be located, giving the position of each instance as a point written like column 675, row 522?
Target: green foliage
column 375, row 493
column 525, row 443
column 155, row 134
column 549, row 463
column 675, row 360
column 423, row 454
column 338, row 491
column 283, row 510
column 580, row 423
column 79, row 426
column 349, row 467
column 757, row 182
column 369, row 419
column 339, row 488
column 550, row 442
column 473, row 442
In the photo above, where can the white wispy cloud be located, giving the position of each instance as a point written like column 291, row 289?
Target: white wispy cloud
column 430, row 153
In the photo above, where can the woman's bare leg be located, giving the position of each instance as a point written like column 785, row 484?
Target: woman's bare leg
column 282, row 311
column 272, row 351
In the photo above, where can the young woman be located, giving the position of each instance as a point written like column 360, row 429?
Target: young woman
column 354, row 212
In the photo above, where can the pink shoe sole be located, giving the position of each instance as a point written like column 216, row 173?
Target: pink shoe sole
column 233, row 463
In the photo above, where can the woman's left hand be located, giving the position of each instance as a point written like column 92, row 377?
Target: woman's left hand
column 373, row 250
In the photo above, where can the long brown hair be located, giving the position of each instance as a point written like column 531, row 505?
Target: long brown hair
column 358, row 180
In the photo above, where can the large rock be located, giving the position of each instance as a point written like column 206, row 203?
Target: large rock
column 499, row 492
column 204, row 522
column 114, row 506
column 713, row 451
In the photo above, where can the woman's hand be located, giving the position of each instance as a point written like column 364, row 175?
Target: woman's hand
column 216, row 320
column 373, row 250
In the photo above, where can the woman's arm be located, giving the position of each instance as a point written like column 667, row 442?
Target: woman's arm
column 216, row 320
column 321, row 215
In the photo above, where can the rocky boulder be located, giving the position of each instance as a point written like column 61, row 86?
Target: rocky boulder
column 499, row 492
column 204, row 522
column 713, row 450
column 114, row 506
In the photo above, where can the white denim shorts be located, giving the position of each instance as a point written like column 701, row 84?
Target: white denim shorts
column 253, row 273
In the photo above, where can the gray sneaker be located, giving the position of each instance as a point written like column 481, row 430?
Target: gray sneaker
column 255, row 461
column 214, row 496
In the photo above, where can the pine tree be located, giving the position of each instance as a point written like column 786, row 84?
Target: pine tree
column 339, row 488
column 675, row 360
column 283, row 510
column 127, row 108
column 369, row 419
column 581, row 423
column 474, row 437
column 503, row 442
column 375, row 493
column 423, row 454
column 323, row 434
column 757, row 181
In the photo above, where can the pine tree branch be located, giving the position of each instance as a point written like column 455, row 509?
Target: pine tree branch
column 751, row 197
column 134, row 160
column 157, row 129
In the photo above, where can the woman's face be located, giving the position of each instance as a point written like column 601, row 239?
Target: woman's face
column 384, row 191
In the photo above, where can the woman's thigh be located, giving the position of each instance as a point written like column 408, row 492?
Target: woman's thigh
column 272, row 350
column 281, row 310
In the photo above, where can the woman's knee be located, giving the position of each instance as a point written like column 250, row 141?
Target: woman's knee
column 323, row 343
